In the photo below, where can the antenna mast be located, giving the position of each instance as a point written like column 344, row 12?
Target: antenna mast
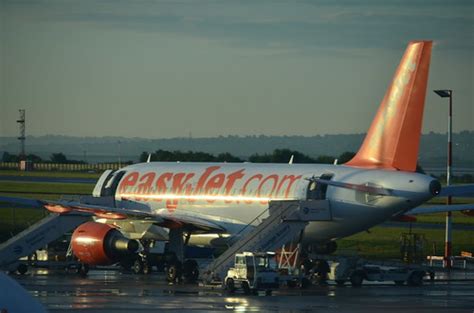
column 21, row 124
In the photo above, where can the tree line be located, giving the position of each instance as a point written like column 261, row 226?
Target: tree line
column 54, row 158
column 277, row 156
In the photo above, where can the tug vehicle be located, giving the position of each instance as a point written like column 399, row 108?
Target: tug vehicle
column 253, row 272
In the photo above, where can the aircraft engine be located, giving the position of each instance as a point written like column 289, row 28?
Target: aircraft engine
column 100, row 244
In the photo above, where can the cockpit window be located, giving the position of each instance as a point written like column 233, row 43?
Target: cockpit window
column 110, row 185
column 109, row 180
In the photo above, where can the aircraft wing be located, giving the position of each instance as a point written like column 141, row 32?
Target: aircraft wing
column 202, row 221
column 62, row 207
column 163, row 217
column 22, row 201
column 441, row 208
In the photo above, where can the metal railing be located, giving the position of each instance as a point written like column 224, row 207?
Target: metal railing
column 97, row 167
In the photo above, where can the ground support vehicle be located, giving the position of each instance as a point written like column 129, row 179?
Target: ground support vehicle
column 42, row 258
column 294, row 279
column 356, row 270
column 253, row 272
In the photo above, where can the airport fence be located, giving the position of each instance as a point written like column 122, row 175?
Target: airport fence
column 97, row 167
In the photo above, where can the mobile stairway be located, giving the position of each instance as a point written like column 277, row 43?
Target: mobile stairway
column 35, row 237
column 286, row 220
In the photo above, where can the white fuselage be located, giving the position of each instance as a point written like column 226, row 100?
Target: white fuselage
column 241, row 191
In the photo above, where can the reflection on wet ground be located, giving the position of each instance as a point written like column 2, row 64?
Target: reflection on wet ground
column 112, row 291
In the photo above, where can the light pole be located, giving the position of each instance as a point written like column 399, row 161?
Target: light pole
column 448, row 246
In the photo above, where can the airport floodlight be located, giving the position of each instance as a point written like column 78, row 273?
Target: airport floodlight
column 448, row 93
column 443, row 93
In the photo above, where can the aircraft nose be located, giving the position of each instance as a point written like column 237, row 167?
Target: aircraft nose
column 435, row 187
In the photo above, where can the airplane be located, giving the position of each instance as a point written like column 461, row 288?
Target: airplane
column 196, row 203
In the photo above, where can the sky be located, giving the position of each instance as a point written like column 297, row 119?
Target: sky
column 159, row 69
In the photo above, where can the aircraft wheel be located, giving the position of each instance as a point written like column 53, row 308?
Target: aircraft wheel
column 305, row 283
column 174, row 272
column 432, row 276
column 416, row 278
column 246, row 288
column 190, row 271
column 356, row 279
column 83, row 269
column 230, row 285
column 146, row 268
column 137, row 266
column 22, row 269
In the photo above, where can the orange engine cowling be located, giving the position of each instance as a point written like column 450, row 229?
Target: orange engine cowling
column 100, row 244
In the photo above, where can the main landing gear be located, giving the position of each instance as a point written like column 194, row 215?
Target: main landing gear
column 171, row 262
column 187, row 271
column 174, row 269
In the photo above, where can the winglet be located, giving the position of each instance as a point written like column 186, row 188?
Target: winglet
column 393, row 139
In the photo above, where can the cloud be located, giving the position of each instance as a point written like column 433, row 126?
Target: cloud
column 295, row 26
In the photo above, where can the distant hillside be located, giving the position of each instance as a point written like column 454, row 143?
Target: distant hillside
column 102, row 149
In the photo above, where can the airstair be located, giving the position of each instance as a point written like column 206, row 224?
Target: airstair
column 37, row 236
column 286, row 220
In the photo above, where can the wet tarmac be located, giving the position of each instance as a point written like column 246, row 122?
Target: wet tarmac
column 112, row 291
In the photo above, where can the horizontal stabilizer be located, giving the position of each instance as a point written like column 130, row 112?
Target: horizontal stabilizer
column 441, row 209
column 457, row 191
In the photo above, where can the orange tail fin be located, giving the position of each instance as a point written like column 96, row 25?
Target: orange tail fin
column 393, row 138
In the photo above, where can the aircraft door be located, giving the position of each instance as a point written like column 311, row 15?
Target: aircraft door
column 250, row 268
column 317, row 191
